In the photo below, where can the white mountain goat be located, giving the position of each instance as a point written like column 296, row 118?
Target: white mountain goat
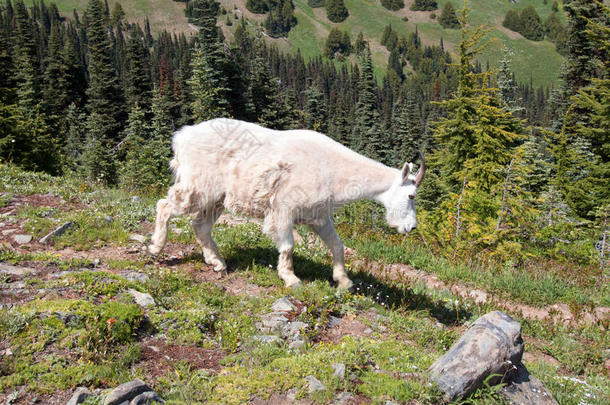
column 286, row 177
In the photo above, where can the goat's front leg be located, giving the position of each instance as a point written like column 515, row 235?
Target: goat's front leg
column 202, row 225
column 326, row 230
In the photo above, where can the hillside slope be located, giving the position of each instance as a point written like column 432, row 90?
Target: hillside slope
column 535, row 61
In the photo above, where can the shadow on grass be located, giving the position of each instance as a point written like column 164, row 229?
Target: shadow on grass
column 389, row 293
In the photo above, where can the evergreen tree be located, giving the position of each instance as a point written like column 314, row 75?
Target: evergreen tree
column 257, row 6
column 336, row 10
column 337, row 42
column 315, row 3
column 207, row 89
column 367, row 132
column 512, row 20
column 476, row 138
column 98, row 164
column 424, row 5
column 531, row 25
column 76, row 130
column 393, row 5
column 316, row 113
column 105, row 97
column 138, row 70
column 448, row 18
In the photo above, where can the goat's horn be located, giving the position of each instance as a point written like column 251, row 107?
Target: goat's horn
column 422, row 169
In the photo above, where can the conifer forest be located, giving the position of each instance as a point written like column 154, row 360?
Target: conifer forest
column 515, row 201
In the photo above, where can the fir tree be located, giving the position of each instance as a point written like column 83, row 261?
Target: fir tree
column 531, row 25
column 316, row 113
column 424, row 5
column 336, row 10
column 448, row 18
column 105, row 98
column 207, row 90
column 98, row 164
column 138, row 70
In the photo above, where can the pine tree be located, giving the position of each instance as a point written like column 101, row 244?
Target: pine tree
column 98, row 164
column 424, row 5
column 448, row 18
column 367, row 132
column 393, row 5
column 476, row 137
column 207, row 91
column 105, row 97
column 336, row 10
column 316, row 113
column 531, row 25
column 138, row 70
column 76, row 130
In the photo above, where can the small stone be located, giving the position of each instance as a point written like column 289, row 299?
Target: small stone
column 339, row 370
column 314, row 384
column 343, row 398
column 292, row 394
column 8, row 232
column 135, row 276
column 147, row 398
column 108, row 218
column 142, row 299
column 58, row 231
column 333, row 321
column 178, row 231
column 272, row 321
column 293, row 329
column 135, row 199
column 367, row 331
column 283, row 305
column 15, row 270
column 79, row 396
column 126, row 392
column 96, row 262
column 22, row 239
column 137, row 238
column 267, row 339
column 527, row 389
column 296, row 345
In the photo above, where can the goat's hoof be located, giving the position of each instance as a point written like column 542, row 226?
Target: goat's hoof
column 345, row 284
column 293, row 283
column 153, row 250
column 220, row 268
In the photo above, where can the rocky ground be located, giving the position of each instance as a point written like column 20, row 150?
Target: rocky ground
column 87, row 308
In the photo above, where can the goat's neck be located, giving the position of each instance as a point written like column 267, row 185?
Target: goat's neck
column 367, row 180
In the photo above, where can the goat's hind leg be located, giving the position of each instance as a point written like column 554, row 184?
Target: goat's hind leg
column 176, row 203
column 202, row 225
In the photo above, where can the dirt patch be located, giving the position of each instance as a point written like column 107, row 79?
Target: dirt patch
column 237, row 285
column 158, row 356
column 347, row 326
column 536, row 356
column 23, row 398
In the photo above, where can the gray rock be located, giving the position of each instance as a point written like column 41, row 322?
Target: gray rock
column 527, row 389
column 79, row 396
column 126, row 392
column 8, row 232
column 15, row 270
column 142, row 299
column 492, row 345
column 283, row 305
column 339, row 370
column 343, row 398
column 96, row 262
column 267, row 339
column 108, row 218
column 58, row 231
column 333, row 321
column 147, row 398
column 272, row 321
column 137, row 238
column 135, row 199
column 22, row 238
column 314, row 384
column 135, row 276
column 293, row 329
column 296, row 345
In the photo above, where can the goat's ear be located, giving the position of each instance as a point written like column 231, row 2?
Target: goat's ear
column 406, row 169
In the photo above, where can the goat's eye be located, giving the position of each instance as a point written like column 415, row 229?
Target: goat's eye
column 411, row 196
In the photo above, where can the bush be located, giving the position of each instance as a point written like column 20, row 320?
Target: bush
column 336, row 10
column 337, row 42
column 424, row 5
column 315, row 3
column 527, row 23
column 393, row 5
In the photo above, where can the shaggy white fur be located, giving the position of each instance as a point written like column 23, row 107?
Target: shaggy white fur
column 286, row 177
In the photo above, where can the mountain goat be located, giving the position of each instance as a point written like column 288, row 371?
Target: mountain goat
column 286, row 178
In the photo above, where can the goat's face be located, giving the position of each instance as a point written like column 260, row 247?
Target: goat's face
column 400, row 201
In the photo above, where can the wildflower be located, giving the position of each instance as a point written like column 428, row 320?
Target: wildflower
column 110, row 321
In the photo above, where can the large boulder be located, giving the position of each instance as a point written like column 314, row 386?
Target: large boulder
column 526, row 389
column 492, row 346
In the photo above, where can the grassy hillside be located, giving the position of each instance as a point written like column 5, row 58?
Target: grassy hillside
column 68, row 316
column 163, row 14
column 536, row 61
column 532, row 60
